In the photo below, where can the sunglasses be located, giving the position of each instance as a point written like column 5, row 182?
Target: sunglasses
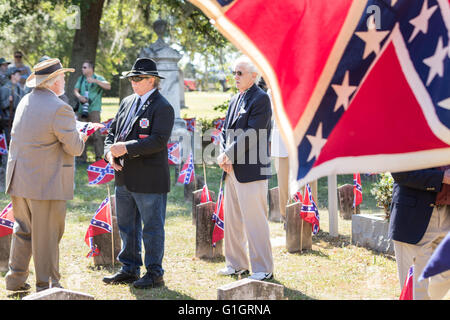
column 137, row 79
column 17, row 56
column 239, row 73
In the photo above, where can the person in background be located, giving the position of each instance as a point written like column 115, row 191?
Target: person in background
column 10, row 95
column 25, row 70
column 420, row 219
column 3, row 71
column 89, row 91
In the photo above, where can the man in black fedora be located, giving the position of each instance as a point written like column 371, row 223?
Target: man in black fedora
column 136, row 147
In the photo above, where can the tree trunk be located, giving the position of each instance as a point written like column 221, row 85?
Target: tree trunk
column 85, row 42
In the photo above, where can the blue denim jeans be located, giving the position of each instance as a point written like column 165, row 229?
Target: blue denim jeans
column 134, row 210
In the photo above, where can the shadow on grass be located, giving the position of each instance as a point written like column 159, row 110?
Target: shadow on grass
column 311, row 252
column 158, row 293
column 18, row 295
column 292, row 294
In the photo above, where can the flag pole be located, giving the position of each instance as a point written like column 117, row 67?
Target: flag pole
column 112, row 227
column 301, row 235
column 204, row 172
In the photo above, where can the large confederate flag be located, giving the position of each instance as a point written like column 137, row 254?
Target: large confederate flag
column 358, row 85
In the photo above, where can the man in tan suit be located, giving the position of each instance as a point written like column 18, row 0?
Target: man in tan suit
column 40, row 175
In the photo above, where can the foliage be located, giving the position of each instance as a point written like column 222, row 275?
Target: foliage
column 223, row 107
column 40, row 28
column 382, row 190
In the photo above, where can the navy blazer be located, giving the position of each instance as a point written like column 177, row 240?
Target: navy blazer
column 145, row 168
column 413, row 199
column 248, row 149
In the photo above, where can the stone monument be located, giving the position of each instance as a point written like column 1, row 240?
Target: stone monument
column 166, row 59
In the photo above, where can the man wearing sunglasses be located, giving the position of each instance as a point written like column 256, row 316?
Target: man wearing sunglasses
column 18, row 64
column 245, row 160
column 136, row 147
column 89, row 92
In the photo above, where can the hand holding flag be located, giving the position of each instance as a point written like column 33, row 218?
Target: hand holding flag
column 88, row 128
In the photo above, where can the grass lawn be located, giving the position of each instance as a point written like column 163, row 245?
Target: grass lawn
column 333, row 269
column 198, row 104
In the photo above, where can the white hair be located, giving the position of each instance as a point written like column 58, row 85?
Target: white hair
column 47, row 84
column 250, row 66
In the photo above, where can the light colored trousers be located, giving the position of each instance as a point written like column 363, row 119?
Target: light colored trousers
column 435, row 287
column 245, row 219
column 38, row 230
column 282, row 168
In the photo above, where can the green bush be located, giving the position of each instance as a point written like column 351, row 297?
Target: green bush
column 382, row 190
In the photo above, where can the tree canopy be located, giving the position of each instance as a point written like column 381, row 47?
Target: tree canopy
column 49, row 27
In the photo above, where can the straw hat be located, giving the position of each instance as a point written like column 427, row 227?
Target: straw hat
column 46, row 70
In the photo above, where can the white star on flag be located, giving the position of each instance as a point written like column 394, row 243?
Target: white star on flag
column 420, row 22
column 436, row 61
column 317, row 143
column 343, row 92
column 372, row 38
column 445, row 104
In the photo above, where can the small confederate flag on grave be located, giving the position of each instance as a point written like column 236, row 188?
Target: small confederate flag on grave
column 3, row 145
column 100, row 223
column 309, row 211
column 206, row 195
column 173, row 153
column 187, row 173
column 100, row 172
column 190, row 124
column 407, row 291
column 6, row 220
column 357, row 190
column 218, row 218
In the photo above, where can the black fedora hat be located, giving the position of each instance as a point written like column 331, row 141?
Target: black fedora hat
column 142, row 67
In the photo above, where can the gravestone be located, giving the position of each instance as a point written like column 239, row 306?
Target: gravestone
column 103, row 241
column 58, row 294
column 274, row 205
column 294, row 230
column 196, row 197
column 248, row 289
column 5, row 247
column 203, row 233
column 346, row 209
column 372, row 231
column 191, row 187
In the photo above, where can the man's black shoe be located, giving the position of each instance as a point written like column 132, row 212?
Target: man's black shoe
column 149, row 281
column 120, row 278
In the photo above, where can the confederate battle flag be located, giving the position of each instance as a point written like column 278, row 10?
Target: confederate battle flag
column 7, row 220
column 357, row 190
column 100, row 172
column 173, row 153
column 357, row 85
column 88, row 128
column 218, row 218
column 309, row 211
column 187, row 174
column 100, row 223
column 206, row 195
column 407, row 291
